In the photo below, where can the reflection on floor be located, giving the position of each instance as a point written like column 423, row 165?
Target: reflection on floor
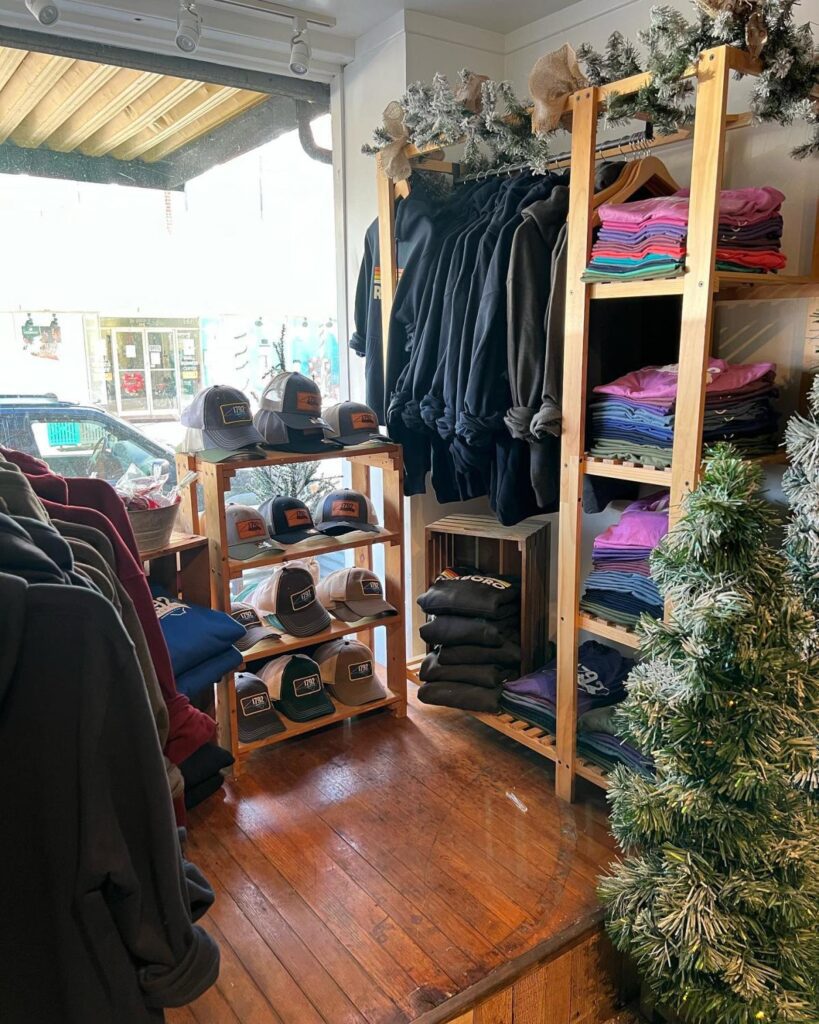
column 366, row 874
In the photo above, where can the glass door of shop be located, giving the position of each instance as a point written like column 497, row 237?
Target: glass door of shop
column 145, row 371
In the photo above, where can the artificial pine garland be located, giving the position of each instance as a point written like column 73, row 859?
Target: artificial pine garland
column 717, row 895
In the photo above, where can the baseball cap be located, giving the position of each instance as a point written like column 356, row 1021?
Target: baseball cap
column 295, row 398
column 352, row 594
column 353, row 423
column 289, row 594
column 288, row 519
column 223, row 416
column 246, row 531
column 275, row 433
column 294, row 685
column 255, row 629
column 347, row 671
column 255, row 715
column 344, row 511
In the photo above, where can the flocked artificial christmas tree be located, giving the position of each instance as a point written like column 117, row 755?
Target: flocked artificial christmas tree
column 717, row 895
column 801, row 485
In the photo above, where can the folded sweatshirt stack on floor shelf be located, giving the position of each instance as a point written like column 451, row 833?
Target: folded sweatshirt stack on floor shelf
column 601, row 675
column 619, row 588
column 647, row 238
column 633, row 417
column 476, row 638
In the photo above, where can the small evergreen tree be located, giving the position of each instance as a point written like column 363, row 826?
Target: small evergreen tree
column 717, row 896
column 801, row 485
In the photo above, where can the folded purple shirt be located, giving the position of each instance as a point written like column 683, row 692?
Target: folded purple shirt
column 660, row 382
column 736, row 207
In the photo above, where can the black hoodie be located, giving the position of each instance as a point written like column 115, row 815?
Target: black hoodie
column 95, row 919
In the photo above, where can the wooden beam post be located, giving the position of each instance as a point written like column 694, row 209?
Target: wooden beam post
column 386, row 250
column 575, row 362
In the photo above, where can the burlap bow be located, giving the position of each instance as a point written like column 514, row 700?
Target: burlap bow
column 394, row 160
column 468, row 93
column 552, row 79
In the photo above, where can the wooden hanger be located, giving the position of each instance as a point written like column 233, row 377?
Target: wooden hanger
column 649, row 173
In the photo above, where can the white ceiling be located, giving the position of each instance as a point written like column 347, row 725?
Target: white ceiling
column 355, row 17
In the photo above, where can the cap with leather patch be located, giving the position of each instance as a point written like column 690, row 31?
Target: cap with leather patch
column 348, row 671
column 255, row 629
column 289, row 595
column 247, row 534
column 294, row 684
column 277, row 434
column 223, row 416
column 353, row 594
column 255, row 716
column 288, row 519
column 353, row 423
column 295, row 398
column 344, row 511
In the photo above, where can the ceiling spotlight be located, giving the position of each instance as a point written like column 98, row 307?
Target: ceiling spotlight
column 299, row 48
column 188, row 26
column 44, row 11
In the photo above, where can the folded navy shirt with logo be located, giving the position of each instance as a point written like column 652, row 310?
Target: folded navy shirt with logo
column 467, row 591
column 194, row 634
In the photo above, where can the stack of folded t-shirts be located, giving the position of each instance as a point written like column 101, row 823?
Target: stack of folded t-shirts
column 475, row 634
column 633, row 417
column 598, row 741
column 647, row 238
column 601, row 675
column 619, row 587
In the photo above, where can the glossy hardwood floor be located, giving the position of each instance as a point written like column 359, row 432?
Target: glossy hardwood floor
column 367, row 873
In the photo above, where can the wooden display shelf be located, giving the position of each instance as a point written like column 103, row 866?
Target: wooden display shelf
column 591, row 773
column 621, row 469
column 336, row 629
column 181, row 567
column 341, row 714
column 728, row 286
column 178, row 542
column 607, row 630
column 310, row 549
column 532, row 736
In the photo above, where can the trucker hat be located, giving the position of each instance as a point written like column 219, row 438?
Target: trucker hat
column 353, row 594
column 288, row 519
column 352, row 423
column 295, row 398
column 246, row 531
column 276, row 434
column 348, row 672
column 344, row 511
column 255, row 715
column 223, row 416
column 289, row 594
column 255, row 629
column 294, row 685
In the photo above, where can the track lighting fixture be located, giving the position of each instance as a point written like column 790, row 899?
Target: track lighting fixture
column 188, row 26
column 45, row 11
column 299, row 48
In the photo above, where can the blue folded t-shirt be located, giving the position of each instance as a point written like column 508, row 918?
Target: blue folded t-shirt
column 196, row 681
column 194, row 634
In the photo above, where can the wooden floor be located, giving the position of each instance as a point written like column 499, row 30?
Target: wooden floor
column 369, row 872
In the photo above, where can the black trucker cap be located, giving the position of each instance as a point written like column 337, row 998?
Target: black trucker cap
column 255, row 716
column 344, row 511
column 352, row 423
column 295, row 398
column 294, row 684
column 289, row 594
column 223, row 416
column 288, row 519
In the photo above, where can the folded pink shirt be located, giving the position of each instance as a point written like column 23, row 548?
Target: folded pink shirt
column 642, row 525
column 736, row 207
column 660, row 382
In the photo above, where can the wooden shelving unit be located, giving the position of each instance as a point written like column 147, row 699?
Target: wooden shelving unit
column 215, row 481
column 699, row 288
column 181, row 567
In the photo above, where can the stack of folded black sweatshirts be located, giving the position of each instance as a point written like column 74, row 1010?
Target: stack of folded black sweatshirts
column 475, row 636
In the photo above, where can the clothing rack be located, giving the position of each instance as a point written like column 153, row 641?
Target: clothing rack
column 700, row 288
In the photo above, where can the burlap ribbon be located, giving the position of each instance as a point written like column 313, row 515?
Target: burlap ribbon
column 468, row 93
column 552, row 79
column 394, row 160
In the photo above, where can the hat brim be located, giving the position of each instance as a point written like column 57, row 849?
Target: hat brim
column 354, row 694
column 312, row 620
column 352, row 611
column 302, row 420
column 305, row 445
column 251, row 549
column 338, row 526
column 232, row 438
column 362, row 437
column 306, row 713
column 294, row 536
column 254, row 636
column 261, row 729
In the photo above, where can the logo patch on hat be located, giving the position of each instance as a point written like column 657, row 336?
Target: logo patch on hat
column 308, row 401
column 297, row 516
column 363, row 670
column 235, row 412
column 372, row 588
column 344, row 507
column 303, row 598
column 255, row 704
column 306, row 685
column 363, row 421
column 250, row 529
column 247, row 617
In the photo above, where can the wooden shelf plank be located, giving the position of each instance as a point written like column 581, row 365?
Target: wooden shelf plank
column 607, row 630
column 336, row 629
column 341, row 714
column 728, row 287
column 309, row 549
column 178, row 542
column 630, row 289
column 617, row 469
column 274, row 458
column 528, row 735
column 586, row 770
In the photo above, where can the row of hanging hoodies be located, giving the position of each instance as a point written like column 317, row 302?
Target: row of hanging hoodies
column 473, row 377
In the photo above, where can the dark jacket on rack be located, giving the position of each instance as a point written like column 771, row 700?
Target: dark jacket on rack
column 95, row 912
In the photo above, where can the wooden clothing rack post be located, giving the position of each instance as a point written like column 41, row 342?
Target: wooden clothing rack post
column 700, row 287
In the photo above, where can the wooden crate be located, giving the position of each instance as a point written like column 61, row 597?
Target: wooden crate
column 521, row 550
